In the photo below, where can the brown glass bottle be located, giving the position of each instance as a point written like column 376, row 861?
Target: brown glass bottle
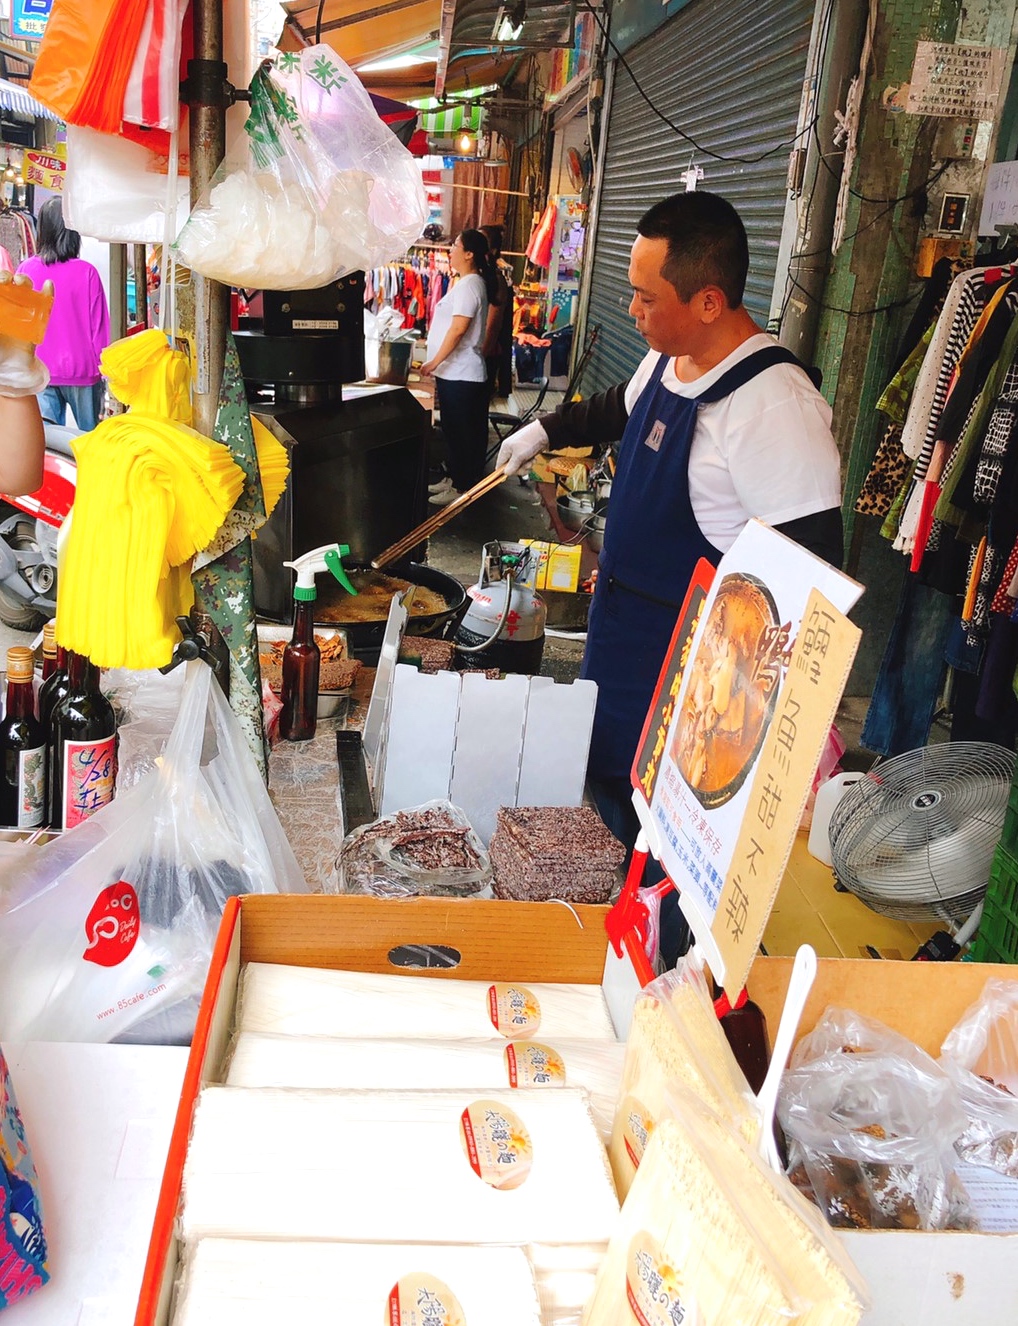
column 301, row 665
column 22, row 748
column 82, row 753
column 49, row 650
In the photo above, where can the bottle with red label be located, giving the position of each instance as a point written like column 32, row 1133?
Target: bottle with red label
column 83, row 747
column 22, row 748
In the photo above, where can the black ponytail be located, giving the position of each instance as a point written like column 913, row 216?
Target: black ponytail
column 475, row 242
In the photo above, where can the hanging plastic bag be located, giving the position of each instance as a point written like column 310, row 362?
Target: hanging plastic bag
column 870, row 1121
column 85, row 60
column 118, row 192
column 323, row 188
column 108, row 929
column 981, row 1057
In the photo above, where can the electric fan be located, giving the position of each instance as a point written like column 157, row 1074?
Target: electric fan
column 915, row 838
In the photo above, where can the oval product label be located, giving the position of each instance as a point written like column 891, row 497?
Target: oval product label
column 420, row 1299
column 654, row 1289
column 496, row 1144
column 514, row 1010
column 111, row 927
column 531, row 1064
column 637, row 1126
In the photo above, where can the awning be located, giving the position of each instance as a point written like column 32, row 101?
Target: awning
column 360, row 35
column 16, row 99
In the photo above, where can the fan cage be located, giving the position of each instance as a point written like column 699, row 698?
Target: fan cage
column 915, row 838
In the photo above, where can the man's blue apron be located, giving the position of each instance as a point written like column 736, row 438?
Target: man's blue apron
column 652, row 544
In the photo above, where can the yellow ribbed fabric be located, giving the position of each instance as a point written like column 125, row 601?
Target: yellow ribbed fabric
column 273, row 464
column 145, row 373
column 150, row 495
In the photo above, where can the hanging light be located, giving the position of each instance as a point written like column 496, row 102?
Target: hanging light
column 464, row 143
column 509, row 22
column 9, row 171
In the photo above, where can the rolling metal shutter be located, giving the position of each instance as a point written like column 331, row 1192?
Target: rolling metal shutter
column 731, row 76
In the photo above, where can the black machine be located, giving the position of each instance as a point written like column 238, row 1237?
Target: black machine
column 358, row 457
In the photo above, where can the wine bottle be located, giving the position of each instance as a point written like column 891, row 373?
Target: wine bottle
column 49, row 650
column 83, row 747
column 53, row 688
column 22, row 748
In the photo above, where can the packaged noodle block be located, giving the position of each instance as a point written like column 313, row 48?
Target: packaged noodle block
column 311, row 1001
column 675, row 1036
column 798, row 1237
column 237, row 1282
column 23, row 1255
column 461, row 1166
column 682, row 1250
column 260, row 1059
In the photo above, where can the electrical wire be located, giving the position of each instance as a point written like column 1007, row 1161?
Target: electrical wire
column 697, row 146
column 318, row 23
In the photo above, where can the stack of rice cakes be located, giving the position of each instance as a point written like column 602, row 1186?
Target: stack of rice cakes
column 542, row 852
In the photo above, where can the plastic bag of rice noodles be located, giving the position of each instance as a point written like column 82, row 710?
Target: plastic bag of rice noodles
column 235, row 1282
column 313, row 1001
column 709, row 1233
column 675, row 1036
column 266, row 1060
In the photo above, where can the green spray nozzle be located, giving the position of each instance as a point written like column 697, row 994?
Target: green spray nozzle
column 327, row 558
column 334, row 561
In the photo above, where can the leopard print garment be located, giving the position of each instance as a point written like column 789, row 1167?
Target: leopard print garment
column 886, row 475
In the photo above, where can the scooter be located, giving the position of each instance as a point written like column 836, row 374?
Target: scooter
column 28, row 536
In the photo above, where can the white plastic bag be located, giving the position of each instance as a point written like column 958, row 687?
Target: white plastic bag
column 108, row 929
column 117, row 191
column 980, row 1055
column 323, row 187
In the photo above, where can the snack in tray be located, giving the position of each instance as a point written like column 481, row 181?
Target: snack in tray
column 337, row 672
column 542, row 852
column 428, row 850
column 433, row 655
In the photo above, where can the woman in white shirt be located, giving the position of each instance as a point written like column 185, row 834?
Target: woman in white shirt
column 456, row 361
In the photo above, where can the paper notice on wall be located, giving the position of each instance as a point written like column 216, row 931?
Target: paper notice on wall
column 956, row 81
column 1000, row 200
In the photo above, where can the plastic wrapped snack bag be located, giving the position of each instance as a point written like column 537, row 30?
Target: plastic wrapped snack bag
column 22, row 1242
column 388, row 1166
column 675, row 1036
column 709, row 1233
column 424, row 851
column 233, row 1283
column 323, row 188
column 309, row 1001
column 980, row 1055
column 399, row 1064
column 871, row 1121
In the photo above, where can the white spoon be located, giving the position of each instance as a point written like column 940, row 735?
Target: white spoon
column 804, row 971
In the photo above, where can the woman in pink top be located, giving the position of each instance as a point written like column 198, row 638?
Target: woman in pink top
column 79, row 325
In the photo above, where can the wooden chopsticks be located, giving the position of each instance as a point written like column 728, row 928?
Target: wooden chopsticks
column 435, row 522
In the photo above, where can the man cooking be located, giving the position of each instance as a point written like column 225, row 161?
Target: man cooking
column 718, row 424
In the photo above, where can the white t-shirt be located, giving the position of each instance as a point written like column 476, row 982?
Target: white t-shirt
column 766, row 450
column 466, row 298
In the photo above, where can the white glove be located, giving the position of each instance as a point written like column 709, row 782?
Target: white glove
column 521, row 447
column 21, row 372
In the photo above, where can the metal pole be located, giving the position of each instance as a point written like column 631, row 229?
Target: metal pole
column 821, row 179
column 207, row 76
column 118, row 291
column 140, row 283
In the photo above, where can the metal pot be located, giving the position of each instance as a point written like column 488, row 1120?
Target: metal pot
column 364, row 639
column 576, row 508
column 595, row 531
column 387, row 361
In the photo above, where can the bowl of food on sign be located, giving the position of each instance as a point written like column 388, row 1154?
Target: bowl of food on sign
column 731, row 693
